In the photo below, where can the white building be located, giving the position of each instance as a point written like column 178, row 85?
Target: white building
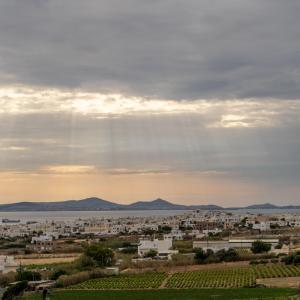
column 262, row 226
column 211, row 231
column 162, row 247
column 42, row 243
column 175, row 234
column 220, row 245
column 42, row 238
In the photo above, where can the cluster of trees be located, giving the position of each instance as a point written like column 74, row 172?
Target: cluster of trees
column 292, row 259
column 26, row 275
column 260, row 247
column 209, row 256
column 95, row 256
column 56, row 274
column 15, row 290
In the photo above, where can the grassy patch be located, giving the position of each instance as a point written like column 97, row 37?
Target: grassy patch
column 203, row 294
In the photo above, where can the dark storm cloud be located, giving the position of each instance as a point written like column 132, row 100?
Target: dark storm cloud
column 170, row 49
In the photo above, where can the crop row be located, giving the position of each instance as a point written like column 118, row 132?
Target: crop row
column 277, row 270
column 134, row 281
column 210, row 278
column 230, row 277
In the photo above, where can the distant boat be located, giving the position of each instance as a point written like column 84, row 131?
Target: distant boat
column 10, row 221
column 30, row 222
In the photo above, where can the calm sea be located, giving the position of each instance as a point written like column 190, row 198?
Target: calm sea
column 73, row 215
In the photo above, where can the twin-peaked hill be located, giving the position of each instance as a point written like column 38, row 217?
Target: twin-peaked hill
column 96, row 204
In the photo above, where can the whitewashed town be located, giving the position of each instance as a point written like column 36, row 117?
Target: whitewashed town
column 147, row 238
column 169, row 251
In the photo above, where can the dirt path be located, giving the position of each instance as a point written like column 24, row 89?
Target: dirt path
column 163, row 284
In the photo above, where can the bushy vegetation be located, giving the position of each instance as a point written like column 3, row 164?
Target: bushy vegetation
column 27, row 275
column 15, row 290
column 293, row 258
column 152, row 253
column 260, row 247
column 73, row 279
column 102, row 257
column 56, row 274
column 67, row 280
column 129, row 281
column 204, row 257
column 85, row 262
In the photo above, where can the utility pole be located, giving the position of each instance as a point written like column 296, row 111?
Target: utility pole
column 206, row 236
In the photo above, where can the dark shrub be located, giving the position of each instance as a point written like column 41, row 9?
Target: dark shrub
column 28, row 276
column 15, row 290
column 260, row 247
column 55, row 275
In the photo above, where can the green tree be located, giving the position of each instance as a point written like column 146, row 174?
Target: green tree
column 85, row 262
column 55, row 275
column 24, row 275
column 103, row 257
column 152, row 253
column 260, row 247
column 293, row 258
column 165, row 229
column 200, row 255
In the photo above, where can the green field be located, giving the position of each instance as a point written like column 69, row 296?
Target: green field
column 203, row 294
column 134, row 281
column 230, row 277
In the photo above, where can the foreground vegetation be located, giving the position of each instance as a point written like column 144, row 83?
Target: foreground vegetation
column 203, row 294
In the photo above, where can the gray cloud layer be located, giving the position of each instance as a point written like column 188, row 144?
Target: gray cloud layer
column 140, row 144
column 168, row 48
column 236, row 63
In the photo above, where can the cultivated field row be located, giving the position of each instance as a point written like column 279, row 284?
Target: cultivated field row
column 215, row 278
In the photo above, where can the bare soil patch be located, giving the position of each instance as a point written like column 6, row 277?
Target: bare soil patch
column 287, row 282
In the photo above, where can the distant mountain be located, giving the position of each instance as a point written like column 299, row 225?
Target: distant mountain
column 70, row 205
column 262, row 206
column 266, row 206
column 97, row 204
column 155, row 205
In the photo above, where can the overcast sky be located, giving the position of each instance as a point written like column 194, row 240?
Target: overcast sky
column 191, row 101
